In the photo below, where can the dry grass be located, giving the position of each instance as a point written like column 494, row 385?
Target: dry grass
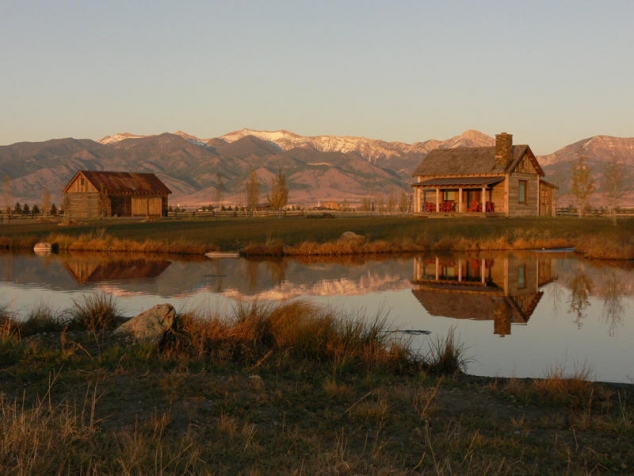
column 447, row 355
column 100, row 240
column 256, row 332
column 291, row 389
column 95, row 312
column 297, row 236
column 601, row 248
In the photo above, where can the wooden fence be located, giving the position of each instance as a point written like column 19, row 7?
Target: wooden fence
column 597, row 212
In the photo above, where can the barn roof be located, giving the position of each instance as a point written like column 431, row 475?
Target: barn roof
column 472, row 161
column 124, row 183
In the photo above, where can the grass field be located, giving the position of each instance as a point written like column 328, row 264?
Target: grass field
column 290, row 389
column 596, row 238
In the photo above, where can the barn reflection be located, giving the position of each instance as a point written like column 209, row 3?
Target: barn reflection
column 97, row 267
column 504, row 288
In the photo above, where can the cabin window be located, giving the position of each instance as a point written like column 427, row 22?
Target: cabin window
column 81, row 181
column 521, row 277
column 523, row 195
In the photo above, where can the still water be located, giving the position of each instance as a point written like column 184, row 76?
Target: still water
column 518, row 314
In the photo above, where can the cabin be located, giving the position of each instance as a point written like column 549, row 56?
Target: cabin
column 504, row 289
column 502, row 180
column 92, row 194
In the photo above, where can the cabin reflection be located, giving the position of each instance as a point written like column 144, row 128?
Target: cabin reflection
column 505, row 288
column 94, row 268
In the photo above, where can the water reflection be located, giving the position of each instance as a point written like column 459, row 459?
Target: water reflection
column 548, row 306
column 97, row 267
column 504, row 289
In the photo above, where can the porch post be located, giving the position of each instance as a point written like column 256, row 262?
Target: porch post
column 484, row 199
column 417, row 208
column 437, row 199
column 460, row 200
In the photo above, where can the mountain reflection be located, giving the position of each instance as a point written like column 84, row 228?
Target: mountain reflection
column 502, row 288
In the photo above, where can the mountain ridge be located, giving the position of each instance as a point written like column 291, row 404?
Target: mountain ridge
column 317, row 167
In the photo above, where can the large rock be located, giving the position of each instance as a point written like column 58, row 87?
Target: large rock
column 150, row 325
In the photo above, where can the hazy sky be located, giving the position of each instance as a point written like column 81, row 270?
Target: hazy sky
column 549, row 72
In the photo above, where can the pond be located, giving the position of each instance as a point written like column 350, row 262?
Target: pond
column 518, row 314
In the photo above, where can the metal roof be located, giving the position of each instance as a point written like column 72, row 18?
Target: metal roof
column 125, row 183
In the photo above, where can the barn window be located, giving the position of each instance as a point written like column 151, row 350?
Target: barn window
column 523, row 195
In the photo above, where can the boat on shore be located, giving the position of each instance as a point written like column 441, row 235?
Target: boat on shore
column 222, row 254
column 43, row 248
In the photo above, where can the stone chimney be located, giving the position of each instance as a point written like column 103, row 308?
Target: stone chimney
column 503, row 149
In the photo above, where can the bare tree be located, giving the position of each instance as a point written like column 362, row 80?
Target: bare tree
column 404, row 202
column 46, row 201
column 582, row 183
column 279, row 191
column 391, row 201
column 7, row 194
column 380, row 203
column 252, row 187
column 615, row 182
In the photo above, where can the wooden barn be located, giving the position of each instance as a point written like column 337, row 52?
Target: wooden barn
column 503, row 180
column 92, row 194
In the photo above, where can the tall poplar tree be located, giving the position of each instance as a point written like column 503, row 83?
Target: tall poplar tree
column 252, row 191
column 279, row 191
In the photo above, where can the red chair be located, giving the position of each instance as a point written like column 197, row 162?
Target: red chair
column 490, row 207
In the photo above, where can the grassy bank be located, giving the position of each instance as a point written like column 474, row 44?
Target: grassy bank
column 595, row 238
column 290, row 389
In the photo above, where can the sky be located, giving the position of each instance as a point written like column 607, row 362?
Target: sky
column 549, row 72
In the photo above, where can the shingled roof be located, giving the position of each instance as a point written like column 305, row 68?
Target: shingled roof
column 471, row 161
column 125, row 183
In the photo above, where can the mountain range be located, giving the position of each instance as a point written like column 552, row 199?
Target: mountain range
column 316, row 167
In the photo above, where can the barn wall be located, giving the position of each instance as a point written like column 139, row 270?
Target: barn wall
column 83, row 205
column 81, row 185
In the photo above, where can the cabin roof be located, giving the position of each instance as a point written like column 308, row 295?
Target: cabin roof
column 466, row 304
column 124, row 183
column 472, row 161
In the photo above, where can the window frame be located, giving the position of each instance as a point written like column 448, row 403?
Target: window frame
column 522, row 184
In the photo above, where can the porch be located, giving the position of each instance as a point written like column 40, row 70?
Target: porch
column 459, row 196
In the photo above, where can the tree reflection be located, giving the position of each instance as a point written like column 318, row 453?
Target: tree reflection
column 613, row 308
column 277, row 268
column 580, row 289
